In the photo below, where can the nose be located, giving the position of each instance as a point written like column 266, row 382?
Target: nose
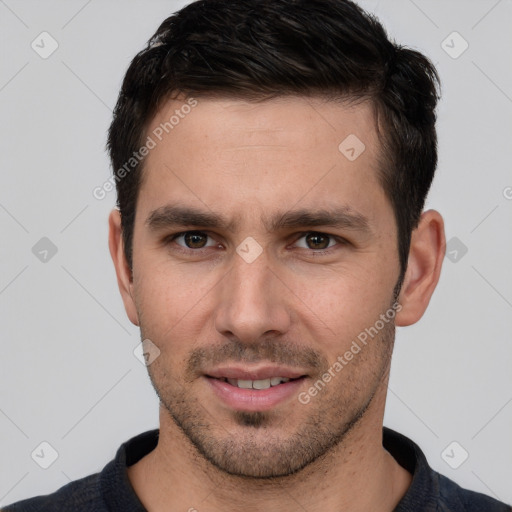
column 252, row 302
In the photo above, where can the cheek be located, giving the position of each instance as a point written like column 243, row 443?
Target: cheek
column 172, row 302
column 159, row 300
column 341, row 304
column 171, row 287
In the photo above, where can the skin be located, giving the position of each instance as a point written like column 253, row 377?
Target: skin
column 298, row 303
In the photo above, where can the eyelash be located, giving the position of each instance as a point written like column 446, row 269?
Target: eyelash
column 314, row 252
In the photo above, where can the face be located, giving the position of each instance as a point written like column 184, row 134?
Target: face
column 262, row 255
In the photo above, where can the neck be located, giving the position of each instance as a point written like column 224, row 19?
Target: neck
column 357, row 475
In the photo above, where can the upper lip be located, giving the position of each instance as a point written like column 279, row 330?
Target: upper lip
column 256, row 373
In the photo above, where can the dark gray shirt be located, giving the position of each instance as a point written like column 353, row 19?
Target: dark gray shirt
column 110, row 490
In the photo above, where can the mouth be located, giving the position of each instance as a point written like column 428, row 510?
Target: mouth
column 242, row 393
column 259, row 384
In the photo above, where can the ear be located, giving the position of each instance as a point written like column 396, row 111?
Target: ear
column 123, row 271
column 426, row 254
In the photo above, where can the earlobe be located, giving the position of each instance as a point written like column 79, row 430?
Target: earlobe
column 123, row 271
column 426, row 256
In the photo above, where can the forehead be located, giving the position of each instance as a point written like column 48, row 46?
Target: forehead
column 226, row 154
column 299, row 122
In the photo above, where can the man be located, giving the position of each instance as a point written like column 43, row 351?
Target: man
column 272, row 160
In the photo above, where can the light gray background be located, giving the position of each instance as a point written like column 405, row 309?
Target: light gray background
column 68, row 373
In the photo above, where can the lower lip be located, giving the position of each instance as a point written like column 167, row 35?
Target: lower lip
column 254, row 399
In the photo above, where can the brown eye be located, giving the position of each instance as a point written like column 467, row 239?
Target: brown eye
column 195, row 239
column 317, row 241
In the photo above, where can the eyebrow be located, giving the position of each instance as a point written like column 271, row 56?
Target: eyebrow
column 340, row 217
column 173, row 215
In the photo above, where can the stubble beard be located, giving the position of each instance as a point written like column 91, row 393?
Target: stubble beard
column 262, row 445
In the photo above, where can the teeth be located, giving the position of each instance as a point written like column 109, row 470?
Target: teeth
column 261, row 384
column 257, row 384
column 244, row 384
